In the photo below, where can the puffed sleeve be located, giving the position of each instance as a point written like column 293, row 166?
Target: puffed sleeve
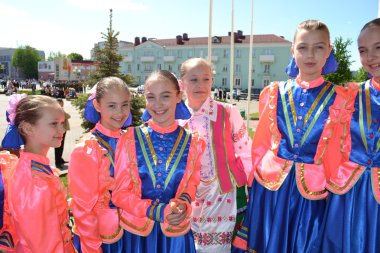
column 241, row 140
column 83, row 184
column 34, row 211
column 127, row 194
column 266, row 130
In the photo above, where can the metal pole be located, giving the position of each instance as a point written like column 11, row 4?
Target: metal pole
column 232, row 56
column 250, row 67
column 209, row 54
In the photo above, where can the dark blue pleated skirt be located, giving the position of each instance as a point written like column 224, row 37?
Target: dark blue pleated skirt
column 156, row 241
column 281, row 221
column 352, row 221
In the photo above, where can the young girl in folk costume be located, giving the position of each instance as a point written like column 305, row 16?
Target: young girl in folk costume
column 352, row 217
column 37, row 197
column 288, row 196
column 8, row 236
column 224, row 165
column 91, row 169
column 157, row 172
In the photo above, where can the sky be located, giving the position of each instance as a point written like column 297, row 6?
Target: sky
column 74, row 26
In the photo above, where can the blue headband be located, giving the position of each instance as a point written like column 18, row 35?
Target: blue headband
column 181, row 112
column 93, row 116
column 330, row 66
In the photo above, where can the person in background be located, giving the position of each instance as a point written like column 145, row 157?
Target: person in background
column 59, row 162
column 221, row 198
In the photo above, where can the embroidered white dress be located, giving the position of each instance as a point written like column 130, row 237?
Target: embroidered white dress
column 214, row 214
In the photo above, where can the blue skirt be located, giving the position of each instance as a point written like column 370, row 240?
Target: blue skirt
column 281, row 221
column 156, row 241
column 116, row 247
column 352, row 220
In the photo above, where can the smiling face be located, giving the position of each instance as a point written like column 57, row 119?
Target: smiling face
column 114, row 107
column 369, row 49
column 161, row 97
column 46, row 132
column 197, row 83
column 311, row 50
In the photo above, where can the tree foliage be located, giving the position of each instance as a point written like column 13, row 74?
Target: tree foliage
column 26, row 59
column 55, row 55
column 361, row 75
column 343, row 74
column 75, row 57
column 109, row 59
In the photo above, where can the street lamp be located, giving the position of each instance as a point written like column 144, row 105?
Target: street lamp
column 77, row 71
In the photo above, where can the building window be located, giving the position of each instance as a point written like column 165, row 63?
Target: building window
column 237, row 82
column 138, row 67
column 179, row 67
column 268, row 51
column 265, row 82
column 148, row 67
column 190, row 53
column 238, row 68
column 253, row 83
column 201, row 53
column 224, row 81
column 179, row 53
column 170, row 68
column 225, row 53
column 159, row 66
column 266, row 68
column 238, row 53
column 129, row 68
column 225, row 68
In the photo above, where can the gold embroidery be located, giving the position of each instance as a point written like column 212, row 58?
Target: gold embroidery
column 316, row 101
column 303, row 182
column 273, row 183
column 144, row 228
column 112, row 236
column 179, row 229
column 348, row 181
column 292, row 107
column 251, row 250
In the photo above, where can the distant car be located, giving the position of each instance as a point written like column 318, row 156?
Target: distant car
column 140, row 89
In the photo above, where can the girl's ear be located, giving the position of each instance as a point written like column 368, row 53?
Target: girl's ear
column 96, row 105
column 180, row 83
column 26, row 128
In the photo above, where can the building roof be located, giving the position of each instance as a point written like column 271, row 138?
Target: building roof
column 223, row 40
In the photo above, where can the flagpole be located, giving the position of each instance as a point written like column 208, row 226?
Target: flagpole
column 232, row 56
column 249, row 86
column 209, row 53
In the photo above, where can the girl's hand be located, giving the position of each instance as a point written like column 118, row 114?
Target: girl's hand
column 178, row 213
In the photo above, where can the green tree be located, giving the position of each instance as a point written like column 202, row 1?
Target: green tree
column 75, row 57
column 343, row 73
column 25, row 59
column 55, row 55
column 109, row 60
column 361, row 75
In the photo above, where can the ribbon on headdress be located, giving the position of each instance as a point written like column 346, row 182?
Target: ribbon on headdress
column 93, row 116
column 330, row 66
column 12, row 138
column 181, row 112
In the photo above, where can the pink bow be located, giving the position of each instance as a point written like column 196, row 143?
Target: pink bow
column 12, row 105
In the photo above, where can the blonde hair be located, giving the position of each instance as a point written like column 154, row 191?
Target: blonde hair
column 194, row 62
column 29, row 110
column 312, row 25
